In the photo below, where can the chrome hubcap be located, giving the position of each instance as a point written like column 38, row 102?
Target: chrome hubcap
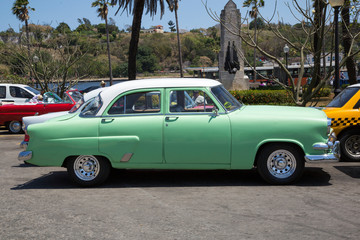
column 86, row 167
column 15, row 126
column 352, row 145
column 281, row 163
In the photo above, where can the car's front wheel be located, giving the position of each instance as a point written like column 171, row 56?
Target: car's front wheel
column 14, row 127
column 350, row 145
column 280, row 163
column 88, row 170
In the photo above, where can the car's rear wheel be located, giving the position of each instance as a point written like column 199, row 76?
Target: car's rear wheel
column 280, row 163
column 88, row 170
column 350, row 145
column 14, row 127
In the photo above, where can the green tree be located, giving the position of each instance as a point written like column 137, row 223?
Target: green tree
column 63, row 28
column 136, row 7
column 85, row 25
column 255, row 5
column 147, row 60
column 21, row 10
column 102, row 9
column 174, row 7
column 172, row 26
column 259, row 24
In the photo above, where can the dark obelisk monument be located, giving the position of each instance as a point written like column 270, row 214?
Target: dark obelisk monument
column 231, row 64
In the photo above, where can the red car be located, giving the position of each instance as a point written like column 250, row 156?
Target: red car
column 11, row 114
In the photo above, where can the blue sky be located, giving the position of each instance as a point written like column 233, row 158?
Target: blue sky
column 192, row 13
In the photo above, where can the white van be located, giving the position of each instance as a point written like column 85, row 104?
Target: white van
column 16, row 93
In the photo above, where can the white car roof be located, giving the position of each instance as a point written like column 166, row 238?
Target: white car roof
column 110, row 93
column 13, row 84
column 93, row 93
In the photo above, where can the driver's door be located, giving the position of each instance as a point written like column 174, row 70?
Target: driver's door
column 193, row 134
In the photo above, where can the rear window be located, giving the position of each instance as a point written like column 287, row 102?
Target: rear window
column 92, row 107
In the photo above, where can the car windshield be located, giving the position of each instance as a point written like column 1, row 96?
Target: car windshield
column 51, row 97
column 77, row 96
column 341, row 99
column 226, row 99
column 92, row 107
column 32, row 90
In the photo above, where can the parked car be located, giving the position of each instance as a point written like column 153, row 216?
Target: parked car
column 26, row 121
column 345, row 120
column 140, row 124
column 16, row 93
column 11, row 114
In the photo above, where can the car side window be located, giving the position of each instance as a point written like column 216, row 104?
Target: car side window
column 135, row 103
column 190, row 101
column 2, row 92
column 19, row 93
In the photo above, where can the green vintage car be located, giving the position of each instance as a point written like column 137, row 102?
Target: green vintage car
column 180, row 124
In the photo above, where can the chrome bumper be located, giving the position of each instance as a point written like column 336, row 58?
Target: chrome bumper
column 333, row 156
column 25, row 155
column 23, row 144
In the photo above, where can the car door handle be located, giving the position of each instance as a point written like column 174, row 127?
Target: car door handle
column 171, row 118
column 106, row 120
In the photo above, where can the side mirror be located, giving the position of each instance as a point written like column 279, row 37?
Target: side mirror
column 215, row 111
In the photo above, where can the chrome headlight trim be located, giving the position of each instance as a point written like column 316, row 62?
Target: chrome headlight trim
column 328, row 126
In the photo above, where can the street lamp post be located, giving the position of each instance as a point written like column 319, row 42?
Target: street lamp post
column 336, row 4
column 286, row 51
column 35, row 60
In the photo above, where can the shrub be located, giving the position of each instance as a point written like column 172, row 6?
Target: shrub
column 265, row 97
column 324, row 92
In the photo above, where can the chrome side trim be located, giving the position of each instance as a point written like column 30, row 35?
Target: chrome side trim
column 321, row 158
column 24, row 144
column 25, row 155
column 126, row 157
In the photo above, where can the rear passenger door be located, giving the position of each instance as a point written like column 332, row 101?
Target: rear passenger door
column 130, row 130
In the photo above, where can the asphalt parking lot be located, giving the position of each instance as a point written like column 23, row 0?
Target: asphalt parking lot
column 41, row 203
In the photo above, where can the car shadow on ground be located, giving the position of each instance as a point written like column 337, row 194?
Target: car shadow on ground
column 351, row 171
column 174, row 178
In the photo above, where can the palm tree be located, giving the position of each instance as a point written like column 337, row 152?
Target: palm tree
column 174, row 7
column 253, row 14
column 21, row 10
column 103, row 13
column 136, row 7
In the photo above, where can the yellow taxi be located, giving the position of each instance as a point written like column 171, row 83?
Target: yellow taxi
column 345, row 121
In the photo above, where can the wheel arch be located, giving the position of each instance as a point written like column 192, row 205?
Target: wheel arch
column 346, row 130
column 68, row 158
column 267, row 143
